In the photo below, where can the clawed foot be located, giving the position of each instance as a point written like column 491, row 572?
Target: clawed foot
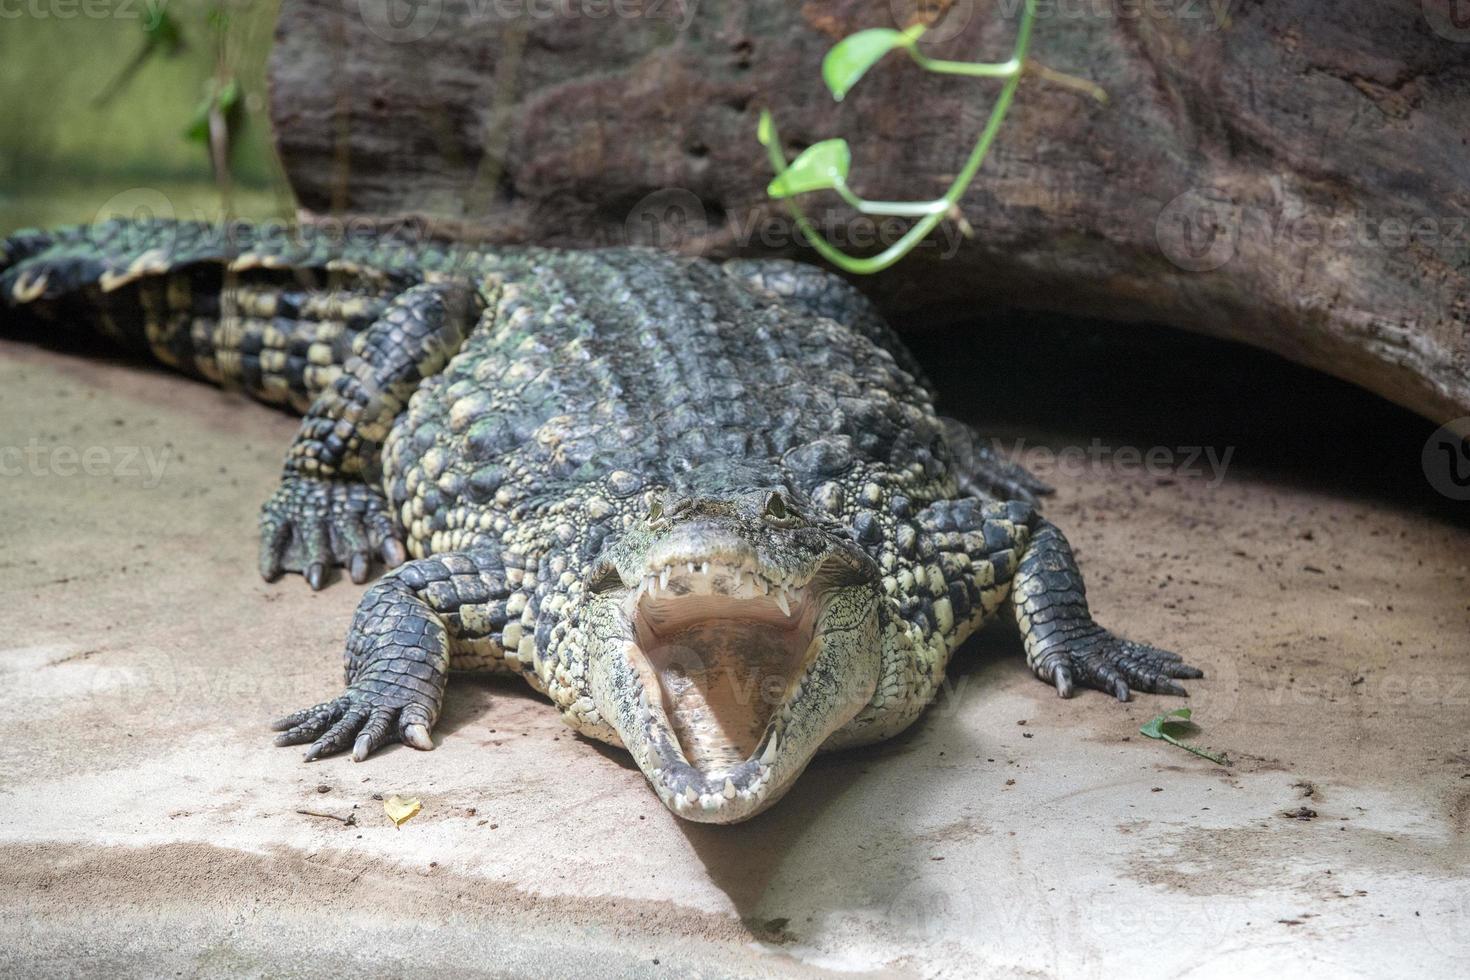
column 397, row 667
column 358, row 719
column 309, row 525
column 1101, row 660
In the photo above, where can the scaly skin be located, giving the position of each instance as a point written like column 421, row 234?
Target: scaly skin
column 709, row 511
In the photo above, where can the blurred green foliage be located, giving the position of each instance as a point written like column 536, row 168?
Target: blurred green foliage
column 93, row 104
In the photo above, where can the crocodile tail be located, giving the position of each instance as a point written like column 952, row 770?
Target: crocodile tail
column 270, row 310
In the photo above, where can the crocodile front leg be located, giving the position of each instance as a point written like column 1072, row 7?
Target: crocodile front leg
column 329, row 509
column 1063, row 643
column 410, row 629
column 982, row 552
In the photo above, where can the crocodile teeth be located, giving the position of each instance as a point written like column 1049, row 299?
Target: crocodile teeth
column 782, row 601
column 663, row 578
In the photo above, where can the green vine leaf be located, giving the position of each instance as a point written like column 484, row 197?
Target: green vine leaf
column 221, row 98
column 824, row 166
column 765, row 129
column 851, row 57
column 821, row 166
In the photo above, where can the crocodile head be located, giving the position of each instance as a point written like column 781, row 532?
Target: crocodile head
column 729, row 635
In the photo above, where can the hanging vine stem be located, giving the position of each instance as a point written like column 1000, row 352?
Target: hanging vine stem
column 825, row 165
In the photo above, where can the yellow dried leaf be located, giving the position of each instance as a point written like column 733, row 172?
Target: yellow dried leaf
column 400, row 810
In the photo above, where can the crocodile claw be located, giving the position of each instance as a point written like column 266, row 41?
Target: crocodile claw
column 311, row 525
column 356, row 721
column 1103, row 661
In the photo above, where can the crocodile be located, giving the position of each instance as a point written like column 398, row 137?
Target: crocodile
column 707, row 509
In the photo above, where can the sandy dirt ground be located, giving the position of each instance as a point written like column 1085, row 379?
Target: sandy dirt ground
column 148, row 827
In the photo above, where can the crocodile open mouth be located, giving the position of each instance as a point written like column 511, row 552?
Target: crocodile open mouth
column 727, row 645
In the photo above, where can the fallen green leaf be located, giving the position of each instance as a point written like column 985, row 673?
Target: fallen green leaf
column 1157, row 727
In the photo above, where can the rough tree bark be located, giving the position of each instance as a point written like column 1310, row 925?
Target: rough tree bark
column 1293, row 174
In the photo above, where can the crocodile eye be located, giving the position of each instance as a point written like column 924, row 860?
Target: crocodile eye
column 776, row 507
column 655, row 512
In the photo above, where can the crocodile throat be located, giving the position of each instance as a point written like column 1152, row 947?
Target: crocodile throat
column 729, row 673
column 726, row 646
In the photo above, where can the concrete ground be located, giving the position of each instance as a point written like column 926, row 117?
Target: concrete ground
column 150, row 828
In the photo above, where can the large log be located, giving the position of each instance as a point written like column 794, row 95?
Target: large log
column 1294, row 174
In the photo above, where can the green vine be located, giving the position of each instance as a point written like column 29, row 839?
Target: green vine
column 825, row 165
